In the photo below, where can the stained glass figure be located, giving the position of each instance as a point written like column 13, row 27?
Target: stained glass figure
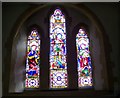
column 58, row 65
column 83, row 59
column 33, row 60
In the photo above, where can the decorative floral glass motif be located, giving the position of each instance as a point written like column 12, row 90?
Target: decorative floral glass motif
column 83, row 59
column 58, row 65
column 33, row 60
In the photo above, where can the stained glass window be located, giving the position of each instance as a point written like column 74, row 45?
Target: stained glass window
column 83, row 59
column 58, row 65
column 33, row 60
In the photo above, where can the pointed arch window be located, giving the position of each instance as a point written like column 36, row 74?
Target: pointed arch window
column 47, row 64
column 83, row 59
column 33, row 60
column 58, row 64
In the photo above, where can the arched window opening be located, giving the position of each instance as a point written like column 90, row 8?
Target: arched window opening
column 83, row 59
column 33, row 60
column 58, row 65
column 62, row 61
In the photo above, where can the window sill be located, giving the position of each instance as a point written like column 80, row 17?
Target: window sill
column 75, row 92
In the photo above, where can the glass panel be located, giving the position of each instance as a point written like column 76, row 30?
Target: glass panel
column 58, row 65
column 84, row 60
column 33, row 60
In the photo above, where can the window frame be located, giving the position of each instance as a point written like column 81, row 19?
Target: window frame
column 17, row 30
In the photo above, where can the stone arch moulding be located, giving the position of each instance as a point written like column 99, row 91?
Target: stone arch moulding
column 14, row 35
